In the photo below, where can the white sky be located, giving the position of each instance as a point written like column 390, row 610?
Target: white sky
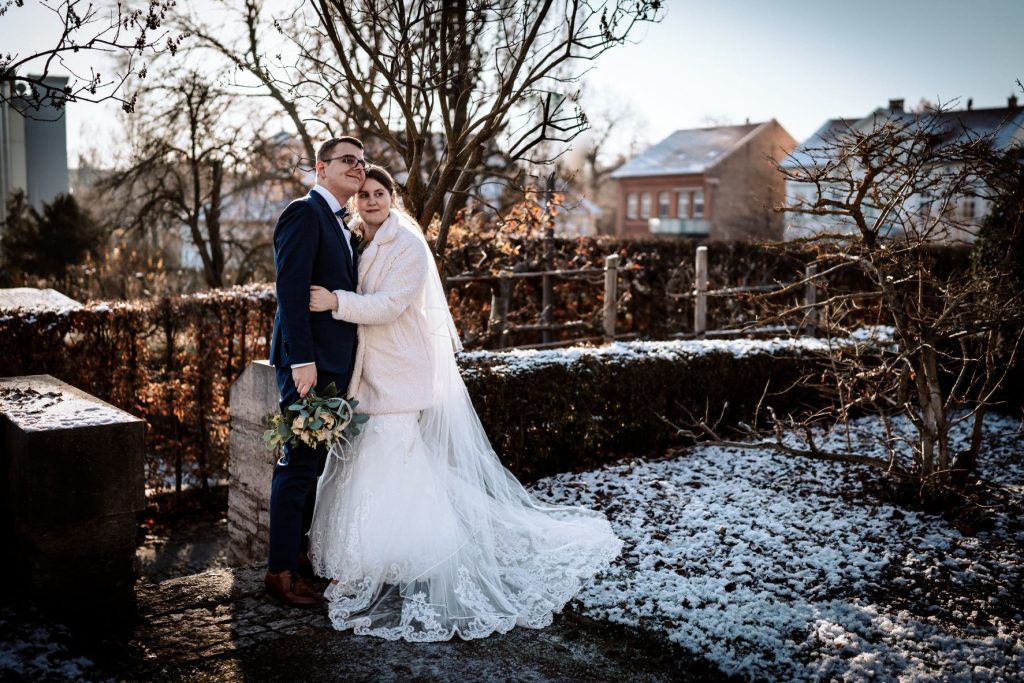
column 802, row 62
column 723, row 61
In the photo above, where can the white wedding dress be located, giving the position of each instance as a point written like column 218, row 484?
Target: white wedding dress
column 426, row 535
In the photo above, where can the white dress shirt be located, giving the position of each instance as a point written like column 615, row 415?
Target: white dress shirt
column 335, row 208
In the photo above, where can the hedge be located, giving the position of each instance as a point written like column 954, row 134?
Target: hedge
column 172, row 361
column 656, row 276
column 561, row 410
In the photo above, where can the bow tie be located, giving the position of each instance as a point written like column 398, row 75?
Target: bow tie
column 341, row 213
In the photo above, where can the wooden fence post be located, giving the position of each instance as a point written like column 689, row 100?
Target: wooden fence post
column 497, row 324
column 700, row 304
column 811, row 296
column 611, row 281
column 547, row 312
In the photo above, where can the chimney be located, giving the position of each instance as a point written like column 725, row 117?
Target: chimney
column 970, row 103
column 896, row 105
column 1011, row 103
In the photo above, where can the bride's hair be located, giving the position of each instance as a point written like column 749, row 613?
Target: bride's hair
column 383, row 177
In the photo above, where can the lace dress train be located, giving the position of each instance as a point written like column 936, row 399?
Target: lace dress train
column 424, row 547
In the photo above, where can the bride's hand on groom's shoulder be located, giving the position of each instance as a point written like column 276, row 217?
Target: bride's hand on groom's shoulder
column 321, row 299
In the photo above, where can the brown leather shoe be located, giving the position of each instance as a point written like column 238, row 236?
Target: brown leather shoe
column 289, row 589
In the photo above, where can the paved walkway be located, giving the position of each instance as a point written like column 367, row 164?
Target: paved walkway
column 219, row 626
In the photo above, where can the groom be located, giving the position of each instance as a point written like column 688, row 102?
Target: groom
column 311, row 246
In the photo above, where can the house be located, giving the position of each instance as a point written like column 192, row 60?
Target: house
column 576, row 216
column 1005, row 125
column 33, row 150
column 718, row 182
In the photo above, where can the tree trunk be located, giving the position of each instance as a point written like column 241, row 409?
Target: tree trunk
column 213, row 213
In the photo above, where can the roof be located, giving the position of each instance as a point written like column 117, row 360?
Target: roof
column 1005, row 125
column 801, row 156
column 692, row 150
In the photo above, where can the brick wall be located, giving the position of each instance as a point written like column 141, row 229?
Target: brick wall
column 747, row 186
column 673, row 184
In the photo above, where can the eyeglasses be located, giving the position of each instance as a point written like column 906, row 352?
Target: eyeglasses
column 348, row 160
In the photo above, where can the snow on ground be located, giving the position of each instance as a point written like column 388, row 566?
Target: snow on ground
column 32, row 652
column 786, row 569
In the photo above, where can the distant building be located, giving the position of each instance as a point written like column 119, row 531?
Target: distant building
column 33, row 151
column 1005, row 124
column 577, row 216
column 719, row 183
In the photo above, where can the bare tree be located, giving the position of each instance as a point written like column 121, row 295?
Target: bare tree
column 440, row 85
column 615, row 131
column 881, row 194
column 85, row 31
column 196, row 164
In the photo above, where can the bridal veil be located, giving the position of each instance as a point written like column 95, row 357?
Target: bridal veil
column 427, row 535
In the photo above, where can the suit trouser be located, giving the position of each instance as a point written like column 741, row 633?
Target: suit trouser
column 293, row 489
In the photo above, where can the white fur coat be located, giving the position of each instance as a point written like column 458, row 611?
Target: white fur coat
column 392, row 372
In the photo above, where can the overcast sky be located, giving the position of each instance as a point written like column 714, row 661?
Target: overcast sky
column 798, row 61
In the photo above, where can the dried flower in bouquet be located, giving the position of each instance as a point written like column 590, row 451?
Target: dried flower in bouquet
column 319, row 419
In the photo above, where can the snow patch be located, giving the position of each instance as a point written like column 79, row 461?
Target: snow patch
column 782, row 568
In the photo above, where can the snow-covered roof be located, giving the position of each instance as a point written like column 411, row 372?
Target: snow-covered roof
column 686, row 151
column 804, row 155
column 1004, row 124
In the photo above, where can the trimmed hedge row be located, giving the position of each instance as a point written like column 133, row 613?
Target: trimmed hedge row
column 170, row 362
column 562, row 410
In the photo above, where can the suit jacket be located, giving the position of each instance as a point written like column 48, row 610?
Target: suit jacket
column 309, row 248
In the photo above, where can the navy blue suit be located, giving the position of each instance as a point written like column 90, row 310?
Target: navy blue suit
column 309, row 249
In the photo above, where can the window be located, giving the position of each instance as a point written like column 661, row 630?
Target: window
column 968, row 208
column 631, row 205
column 698, row 204
column 645, row 205
column 663, row 205
column 683, row 205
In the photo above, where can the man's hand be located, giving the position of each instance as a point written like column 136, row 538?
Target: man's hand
column 304, row 378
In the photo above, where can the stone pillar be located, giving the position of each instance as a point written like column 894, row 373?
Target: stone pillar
column 72, row 482
column 253, row 397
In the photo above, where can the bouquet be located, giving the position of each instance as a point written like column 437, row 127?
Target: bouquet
column 317, row 420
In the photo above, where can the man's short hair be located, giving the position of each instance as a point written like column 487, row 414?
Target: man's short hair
column 325, row 149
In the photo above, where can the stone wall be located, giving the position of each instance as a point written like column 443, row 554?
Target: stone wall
column 71, row 471
column 254, row 396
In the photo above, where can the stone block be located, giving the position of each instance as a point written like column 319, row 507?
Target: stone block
column 71, row 471
column 251, row 466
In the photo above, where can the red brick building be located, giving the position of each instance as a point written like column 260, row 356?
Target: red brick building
column 717, row 182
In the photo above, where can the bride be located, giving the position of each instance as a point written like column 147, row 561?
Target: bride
column 422, row 531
